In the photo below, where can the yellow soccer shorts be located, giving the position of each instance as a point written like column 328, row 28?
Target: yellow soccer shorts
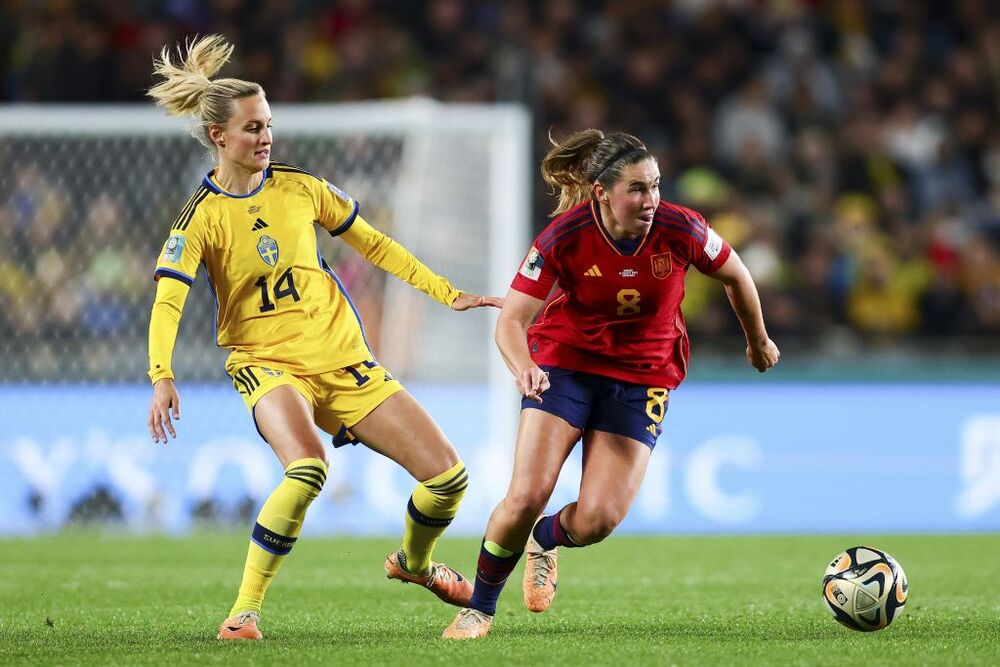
column 340, row 398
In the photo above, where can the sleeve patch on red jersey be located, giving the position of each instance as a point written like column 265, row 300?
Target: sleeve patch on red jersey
column 713, row 244
column 531, row 268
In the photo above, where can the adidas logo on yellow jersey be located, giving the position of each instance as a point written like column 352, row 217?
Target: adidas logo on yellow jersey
column 593, row 272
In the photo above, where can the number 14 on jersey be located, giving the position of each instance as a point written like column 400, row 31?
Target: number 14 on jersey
column 283, row 287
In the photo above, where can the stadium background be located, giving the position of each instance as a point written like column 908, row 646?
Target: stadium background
column 850, row 151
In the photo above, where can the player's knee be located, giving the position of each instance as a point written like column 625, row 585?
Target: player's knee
column 293, row 448
column 316, row 455
column 591, row 525
column 525, row 505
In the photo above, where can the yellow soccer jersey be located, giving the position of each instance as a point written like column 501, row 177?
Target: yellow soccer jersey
column 279, row 303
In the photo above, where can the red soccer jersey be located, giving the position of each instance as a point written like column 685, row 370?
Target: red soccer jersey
column 616, row 314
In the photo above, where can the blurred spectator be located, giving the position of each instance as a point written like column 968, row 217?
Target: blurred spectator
column 748, row 124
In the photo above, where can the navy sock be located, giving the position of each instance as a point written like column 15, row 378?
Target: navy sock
column 491, row 575
column 550, row 534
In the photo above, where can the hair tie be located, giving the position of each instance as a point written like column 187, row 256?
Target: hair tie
column 617, row 156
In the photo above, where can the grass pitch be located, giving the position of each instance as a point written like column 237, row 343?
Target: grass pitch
column 73, row 598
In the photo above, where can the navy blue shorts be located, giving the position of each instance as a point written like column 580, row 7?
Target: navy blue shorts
column 596, row 403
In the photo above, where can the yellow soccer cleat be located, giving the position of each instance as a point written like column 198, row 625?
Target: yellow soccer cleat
column 469, row 624
column 442, row 581
column 240, row 626
column 539, row 582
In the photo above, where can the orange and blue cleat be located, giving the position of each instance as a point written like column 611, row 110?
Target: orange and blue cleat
column 441, row 580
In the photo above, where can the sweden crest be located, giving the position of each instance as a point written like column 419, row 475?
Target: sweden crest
column 268, row 249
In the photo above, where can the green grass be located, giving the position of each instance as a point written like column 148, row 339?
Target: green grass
column 73, row 598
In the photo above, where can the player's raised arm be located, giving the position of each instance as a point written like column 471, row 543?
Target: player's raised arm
column 390, row 256
column 338, row 213
column 762, row 353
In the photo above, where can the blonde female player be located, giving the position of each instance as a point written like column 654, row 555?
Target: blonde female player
column 298, row 353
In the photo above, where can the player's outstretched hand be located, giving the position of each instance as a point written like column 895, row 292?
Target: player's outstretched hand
column 467, row 300
column 531, row 382
column 764, row 356
column 165, row 398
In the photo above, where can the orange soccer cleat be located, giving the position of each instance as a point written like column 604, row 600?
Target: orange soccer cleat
column 442, row 581
column 469, row 624
column 539, row 582
column 240, row 626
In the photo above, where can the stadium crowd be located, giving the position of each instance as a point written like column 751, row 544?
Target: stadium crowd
column 849, row 151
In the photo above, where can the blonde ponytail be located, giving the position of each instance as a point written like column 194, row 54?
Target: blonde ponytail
column 187, row 88
column 572, row 165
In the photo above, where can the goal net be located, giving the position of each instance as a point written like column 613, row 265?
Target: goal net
column 89, row 193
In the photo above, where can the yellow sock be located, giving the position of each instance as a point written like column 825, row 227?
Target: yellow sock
column 432, row 506
column 278, row 526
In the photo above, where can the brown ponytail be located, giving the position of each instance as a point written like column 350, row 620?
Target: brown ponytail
column 572, row 165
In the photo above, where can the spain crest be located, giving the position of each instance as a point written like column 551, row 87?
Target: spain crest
column 268, row 250
column 662, row 265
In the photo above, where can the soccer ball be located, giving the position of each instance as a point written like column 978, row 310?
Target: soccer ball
column 864, row 588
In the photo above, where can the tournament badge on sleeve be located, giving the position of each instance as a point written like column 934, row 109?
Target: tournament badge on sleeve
column 531, row 268
column 268, row 249
column 713, row 244
column 662, row 265
column 174, row 249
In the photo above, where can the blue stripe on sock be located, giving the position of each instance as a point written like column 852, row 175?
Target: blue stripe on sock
column 272, row 542
column 423, row 519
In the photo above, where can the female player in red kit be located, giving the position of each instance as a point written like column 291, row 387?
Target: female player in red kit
column 600, row 361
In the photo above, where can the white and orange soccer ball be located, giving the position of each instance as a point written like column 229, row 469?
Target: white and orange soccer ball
column 864, row 588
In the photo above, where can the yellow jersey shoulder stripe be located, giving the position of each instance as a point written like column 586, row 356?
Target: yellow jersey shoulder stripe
column 184, row 219
column 281, row 167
